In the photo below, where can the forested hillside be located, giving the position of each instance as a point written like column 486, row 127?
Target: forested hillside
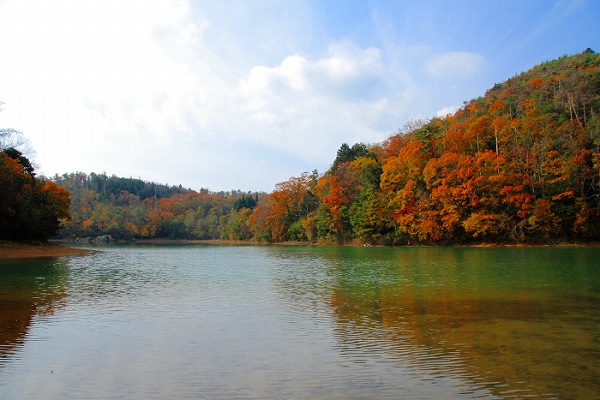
column 128, row 208
column 520, row 164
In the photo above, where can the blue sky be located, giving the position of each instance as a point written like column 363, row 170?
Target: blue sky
column 245, row 94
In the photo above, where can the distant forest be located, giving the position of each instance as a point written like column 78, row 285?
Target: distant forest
column 519, row 164
column 129, row 208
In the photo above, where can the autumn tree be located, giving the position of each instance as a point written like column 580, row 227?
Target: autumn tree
column 519, row 164
column 30, row 208
column 286, row 206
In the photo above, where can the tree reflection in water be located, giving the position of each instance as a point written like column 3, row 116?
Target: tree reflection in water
column 511, row 322
column 28, row 289
column 453, row 319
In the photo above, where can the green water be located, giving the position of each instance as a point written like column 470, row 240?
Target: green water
column 273, row 322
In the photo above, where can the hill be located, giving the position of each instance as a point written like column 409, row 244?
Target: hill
column 519, row 164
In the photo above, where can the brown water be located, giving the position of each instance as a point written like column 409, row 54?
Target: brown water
column 302, row 322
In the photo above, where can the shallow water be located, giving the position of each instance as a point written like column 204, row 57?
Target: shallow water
column 261, row 322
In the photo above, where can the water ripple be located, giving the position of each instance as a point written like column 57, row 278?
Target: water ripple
column 301, row 322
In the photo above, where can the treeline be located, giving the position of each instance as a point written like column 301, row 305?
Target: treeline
column 520, row 164
column 106, row 186
column 129, row 208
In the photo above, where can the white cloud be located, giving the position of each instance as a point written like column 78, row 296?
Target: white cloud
column 170, row 93
column 446, row 110
column 345, row 69
column 310, row 107
column 105, row 79
column 455, row 65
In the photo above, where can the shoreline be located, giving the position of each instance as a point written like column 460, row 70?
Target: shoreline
column 17, row 251
column 357, row 244
column 59, row 248
column 252, row 242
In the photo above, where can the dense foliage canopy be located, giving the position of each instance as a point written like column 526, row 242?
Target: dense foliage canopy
column 30, row 208
column 521, row 163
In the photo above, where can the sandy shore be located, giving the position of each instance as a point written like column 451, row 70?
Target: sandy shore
column 11, row 250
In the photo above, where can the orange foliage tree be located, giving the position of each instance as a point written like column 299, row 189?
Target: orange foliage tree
column 30, row 208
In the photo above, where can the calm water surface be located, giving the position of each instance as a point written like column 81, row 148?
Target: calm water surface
column 274, row 322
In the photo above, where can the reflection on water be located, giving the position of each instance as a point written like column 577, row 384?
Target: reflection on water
column 519, row 322
column 28, row 290
column 302, row 322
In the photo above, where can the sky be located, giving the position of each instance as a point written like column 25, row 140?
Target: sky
column 244, row 94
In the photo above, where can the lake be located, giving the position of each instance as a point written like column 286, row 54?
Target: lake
column 301, row 322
